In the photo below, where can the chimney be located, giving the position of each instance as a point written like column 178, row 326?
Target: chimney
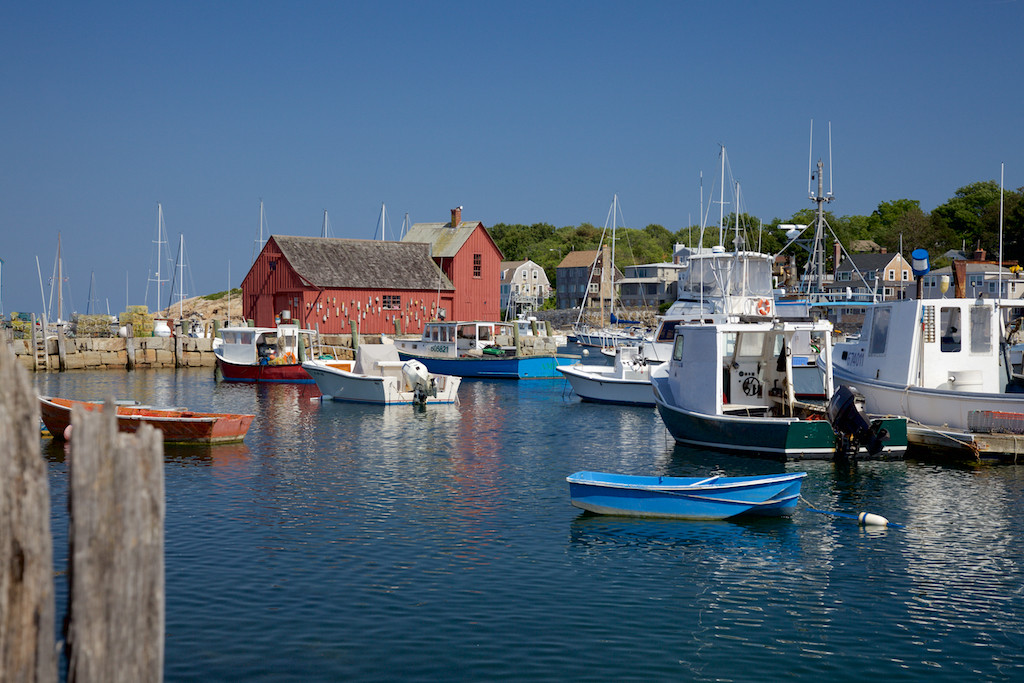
column 979, row 254
column 884, row 250
column 836, row 256
column 456, row 216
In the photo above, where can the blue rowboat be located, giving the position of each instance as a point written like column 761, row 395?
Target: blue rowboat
column 685, row 497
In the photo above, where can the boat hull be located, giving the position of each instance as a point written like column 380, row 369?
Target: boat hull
column 493, row 367
column 341, row 385
column 599, row 384
column 177, row 426
column 950, row 409
column 284, row 372
column 773, row 437
column 713, row 498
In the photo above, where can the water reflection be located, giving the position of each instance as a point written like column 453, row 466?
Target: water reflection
column 441, row 542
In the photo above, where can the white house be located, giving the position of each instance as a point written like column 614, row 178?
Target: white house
column 524, row 287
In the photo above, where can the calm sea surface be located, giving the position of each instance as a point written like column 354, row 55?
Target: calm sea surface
column 346, row 542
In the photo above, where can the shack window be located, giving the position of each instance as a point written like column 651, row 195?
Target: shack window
column 981, row 330
column 949, row 323
column 879, row 330
column 477, row 264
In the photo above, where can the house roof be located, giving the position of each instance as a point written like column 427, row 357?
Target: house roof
column 445, row 240
column 973, row 268
column 362, row 264
column 866, row 262
column 579, row 259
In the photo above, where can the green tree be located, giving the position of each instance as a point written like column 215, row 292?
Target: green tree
column 973, row 215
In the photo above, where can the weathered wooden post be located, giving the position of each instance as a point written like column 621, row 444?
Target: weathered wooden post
column 516, row 340
column 547, row 328
column 129, row 345
column 27, row 648
column 116, row 550
column 354, row 326
column 62, row 360
column 398, row 327
column 179, row 349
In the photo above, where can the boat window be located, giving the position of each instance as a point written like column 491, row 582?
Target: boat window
column 981, row 330
column 949, row 323
column 751, row 344
column 229, row 337
column 879, row 330
column 666, row 332
column 677, row 348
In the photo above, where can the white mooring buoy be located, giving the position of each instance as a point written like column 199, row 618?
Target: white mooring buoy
column 871, row 519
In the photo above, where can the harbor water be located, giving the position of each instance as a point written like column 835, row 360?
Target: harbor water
column 362, row 543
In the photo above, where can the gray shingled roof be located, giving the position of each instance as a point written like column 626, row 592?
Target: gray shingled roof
column 362, row 264
column 866, row 262
column 445, row 241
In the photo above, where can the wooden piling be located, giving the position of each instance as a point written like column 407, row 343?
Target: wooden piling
column 129, row 345
column 354, row 326
column 27, row 646
column 179, row 349
column 116, row 551
column 62, row 352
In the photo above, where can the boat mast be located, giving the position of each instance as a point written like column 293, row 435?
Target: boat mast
column 325, row 230
column 721, row 203
column 92, row 286
column 383, row 219
column 159, row 237
column 181, row 274
column 817, row 265
column 60, row 282
column 258, row 245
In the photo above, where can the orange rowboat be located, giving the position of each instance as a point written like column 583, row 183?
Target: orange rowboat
column 177, row 426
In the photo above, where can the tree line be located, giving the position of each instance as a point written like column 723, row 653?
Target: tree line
column 969, row 220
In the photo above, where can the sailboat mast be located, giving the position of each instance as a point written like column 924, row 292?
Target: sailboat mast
column 60, row 282
column 92, row 286
column 159, row 237
column 181, row 275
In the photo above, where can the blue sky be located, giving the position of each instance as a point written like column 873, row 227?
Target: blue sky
column 521, row 112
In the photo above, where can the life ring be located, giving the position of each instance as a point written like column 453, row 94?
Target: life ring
column 763, row 307
column 289, row 358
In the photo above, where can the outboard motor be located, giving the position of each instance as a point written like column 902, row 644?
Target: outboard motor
column 419, row 380
column 851, row 424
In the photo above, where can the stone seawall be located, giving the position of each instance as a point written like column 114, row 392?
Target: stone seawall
column 112, row 353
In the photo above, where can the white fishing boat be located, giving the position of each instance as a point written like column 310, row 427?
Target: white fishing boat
column 731, row 386
column 627, row 381
column 380, row 376
column 941, row 363
column 265, row 354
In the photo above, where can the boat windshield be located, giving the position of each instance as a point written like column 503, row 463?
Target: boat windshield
column 727, row 274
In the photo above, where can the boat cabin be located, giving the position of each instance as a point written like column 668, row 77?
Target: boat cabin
column 755, row 373
column 951, row 344
column 728, row 285
column 454, row 339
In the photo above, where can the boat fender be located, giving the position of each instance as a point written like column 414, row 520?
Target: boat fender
column 871, row 519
